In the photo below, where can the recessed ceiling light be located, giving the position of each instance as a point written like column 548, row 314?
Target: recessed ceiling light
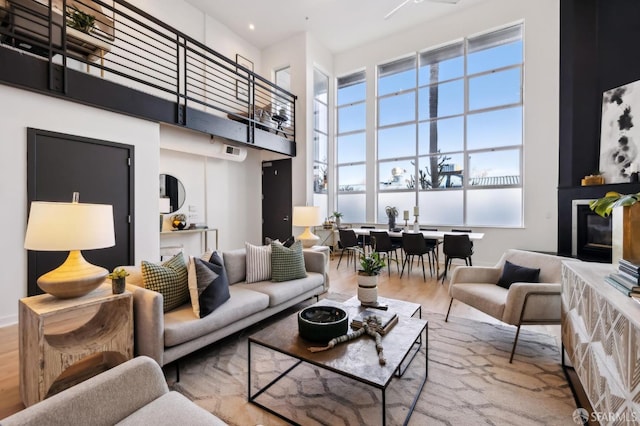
column 252, row 27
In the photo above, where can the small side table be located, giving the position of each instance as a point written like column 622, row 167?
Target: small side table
column 65, row 341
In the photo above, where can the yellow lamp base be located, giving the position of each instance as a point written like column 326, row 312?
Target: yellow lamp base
column 74, row 278
column 308, row 238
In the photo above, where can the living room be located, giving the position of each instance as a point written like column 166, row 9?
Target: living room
column 212, row 182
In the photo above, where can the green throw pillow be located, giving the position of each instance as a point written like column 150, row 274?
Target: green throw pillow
column 287, row 263
column 169, row 279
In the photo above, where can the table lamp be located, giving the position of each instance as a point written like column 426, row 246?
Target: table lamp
column 165, row 207
column 56, row 226
column 307, row 216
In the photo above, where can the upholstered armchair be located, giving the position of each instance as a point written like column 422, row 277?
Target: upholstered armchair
column 522, row 302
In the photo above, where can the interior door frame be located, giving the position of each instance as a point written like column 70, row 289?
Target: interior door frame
column 32, row 139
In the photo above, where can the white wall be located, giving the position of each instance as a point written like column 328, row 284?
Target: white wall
column 21, row 109
column 541, row 57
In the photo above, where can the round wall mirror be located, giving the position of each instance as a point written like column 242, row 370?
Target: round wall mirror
column 173, row 189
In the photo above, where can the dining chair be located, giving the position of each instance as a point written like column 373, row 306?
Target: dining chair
column 366, row 239
column 381, row 243
column 468, row 231
column 434, row 242
column 414, row 244
column 349, row 243
column 456, row 247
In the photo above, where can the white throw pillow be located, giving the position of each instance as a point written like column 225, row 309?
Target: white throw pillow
column 258, row 263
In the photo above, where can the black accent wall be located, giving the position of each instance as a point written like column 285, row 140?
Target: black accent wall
column 599, row 50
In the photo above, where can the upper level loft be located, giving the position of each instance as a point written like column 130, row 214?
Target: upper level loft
column 112, row 55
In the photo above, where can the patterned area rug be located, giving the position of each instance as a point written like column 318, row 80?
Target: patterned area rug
column 470, row 382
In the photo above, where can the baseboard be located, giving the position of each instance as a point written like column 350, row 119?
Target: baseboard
column 8, row 320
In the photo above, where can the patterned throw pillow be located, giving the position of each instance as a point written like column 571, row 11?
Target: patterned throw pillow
column 258, row 263
column 287, row 263
column 169, row 279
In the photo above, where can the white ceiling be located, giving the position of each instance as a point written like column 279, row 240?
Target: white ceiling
column 338, row 25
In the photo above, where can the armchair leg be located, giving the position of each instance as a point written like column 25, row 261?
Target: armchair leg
column 448, row 310
column 515, row 342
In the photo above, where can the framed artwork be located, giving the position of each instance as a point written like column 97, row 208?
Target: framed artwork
column 620, row 133
column 242, row 85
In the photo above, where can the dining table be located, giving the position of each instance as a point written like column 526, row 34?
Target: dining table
column 429, row 235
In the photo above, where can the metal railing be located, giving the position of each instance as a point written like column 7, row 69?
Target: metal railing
column 130, row 47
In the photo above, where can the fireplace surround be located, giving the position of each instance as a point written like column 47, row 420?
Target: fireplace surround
column 591, row 234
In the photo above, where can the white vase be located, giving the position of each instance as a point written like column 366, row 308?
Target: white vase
column 367, row 289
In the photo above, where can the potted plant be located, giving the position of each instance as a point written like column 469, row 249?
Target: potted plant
column 392, row 213
column 338, row 217
column 80, row 20
column 118, row 280
column 370, row 267
column 625, row 227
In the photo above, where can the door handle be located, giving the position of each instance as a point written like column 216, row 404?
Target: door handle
column 286, row 218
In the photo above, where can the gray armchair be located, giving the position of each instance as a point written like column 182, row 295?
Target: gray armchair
column 522, row 303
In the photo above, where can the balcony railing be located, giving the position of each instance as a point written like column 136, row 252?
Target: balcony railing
column 117, row 42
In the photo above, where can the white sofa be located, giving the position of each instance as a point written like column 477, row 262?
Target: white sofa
column 166, row 337
column 132, row 393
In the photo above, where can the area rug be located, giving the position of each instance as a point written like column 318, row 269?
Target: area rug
column 470, row 382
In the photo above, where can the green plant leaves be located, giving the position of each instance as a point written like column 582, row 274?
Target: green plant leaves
column 605, row 205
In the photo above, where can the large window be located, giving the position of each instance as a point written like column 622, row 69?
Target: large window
column 449, row 132
column 351, row 147
column 320, row 140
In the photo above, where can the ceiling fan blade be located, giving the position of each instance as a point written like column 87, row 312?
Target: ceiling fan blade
column 395, row 9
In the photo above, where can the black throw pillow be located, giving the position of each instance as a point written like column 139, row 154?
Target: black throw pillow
column 289, row 241
column 217, row 292
column 513, row 273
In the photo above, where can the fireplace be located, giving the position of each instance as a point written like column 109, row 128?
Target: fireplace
column 591, row 234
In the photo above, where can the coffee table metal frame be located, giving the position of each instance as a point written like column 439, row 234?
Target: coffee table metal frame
column 408, row 357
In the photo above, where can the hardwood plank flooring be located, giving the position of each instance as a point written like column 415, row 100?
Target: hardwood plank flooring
column 431, row 294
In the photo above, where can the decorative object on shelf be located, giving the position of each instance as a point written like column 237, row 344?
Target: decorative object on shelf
column 307, row 216
column 338, row 218
column 619, row 137
column 48, row 230
column 118, row 280
column 392, row 213
column 405, row 216
column 80, row 20
column 322, row 323
column 589, row 180
column 179, row 221
column 625, row 224
column 416, row 225
column 367, row 278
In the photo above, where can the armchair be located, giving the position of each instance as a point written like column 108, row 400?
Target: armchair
column 522, row 303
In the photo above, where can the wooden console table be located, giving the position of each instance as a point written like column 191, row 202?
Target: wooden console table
column 65, row 341
column 601, row 336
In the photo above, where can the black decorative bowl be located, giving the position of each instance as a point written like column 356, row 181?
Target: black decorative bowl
column 322, row 323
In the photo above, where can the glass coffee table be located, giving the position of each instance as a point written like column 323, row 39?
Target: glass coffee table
column 356, row 359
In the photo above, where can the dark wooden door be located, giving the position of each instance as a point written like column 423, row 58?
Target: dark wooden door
column 102, row 172
column 276, row 199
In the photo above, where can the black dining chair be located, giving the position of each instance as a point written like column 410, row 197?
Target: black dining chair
column 348, row 243
column 366, row 239
column 381, row 243
column 456, row 247
column 433, row 242
column 468, row 231
column 414, row 244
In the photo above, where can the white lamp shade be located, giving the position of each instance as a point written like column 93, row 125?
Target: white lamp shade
column 69, row 226
column 165, row 205
column 306, row 216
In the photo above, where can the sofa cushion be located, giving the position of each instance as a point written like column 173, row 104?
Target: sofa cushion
column 488, row 298
column 235, row 262
column 286, row 290
column 171, row 408
column 169, row 279
column 258, row 263
column 512, row 273
column 287, row 263
column 181, row 326
column 215, row 287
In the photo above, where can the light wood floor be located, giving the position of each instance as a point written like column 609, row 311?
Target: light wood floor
column 432, row 295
